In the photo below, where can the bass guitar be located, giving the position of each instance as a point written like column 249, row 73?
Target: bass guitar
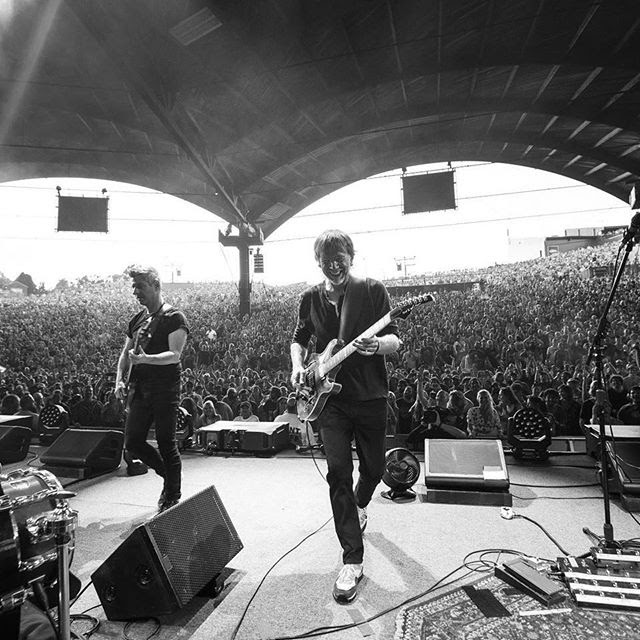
column 319, row 376
column 141, row 338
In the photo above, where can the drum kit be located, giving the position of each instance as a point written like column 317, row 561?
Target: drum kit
column 37, row 540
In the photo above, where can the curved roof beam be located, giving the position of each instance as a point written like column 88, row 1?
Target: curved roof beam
column 380, row 164
column 162, row 178
column 444, row 133
column 342, row 161
column 503, row 63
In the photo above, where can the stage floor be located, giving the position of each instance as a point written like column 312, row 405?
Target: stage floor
column 278, row 503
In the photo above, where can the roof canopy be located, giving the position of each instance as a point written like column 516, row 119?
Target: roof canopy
column 254, row 109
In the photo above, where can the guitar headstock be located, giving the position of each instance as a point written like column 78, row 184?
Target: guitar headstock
column 404, row 308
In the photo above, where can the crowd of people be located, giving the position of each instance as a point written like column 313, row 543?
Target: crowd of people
column 466, row 363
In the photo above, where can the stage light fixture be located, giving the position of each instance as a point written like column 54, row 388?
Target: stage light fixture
column 529, row 433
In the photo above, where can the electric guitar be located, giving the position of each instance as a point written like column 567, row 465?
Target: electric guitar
column 319, row 376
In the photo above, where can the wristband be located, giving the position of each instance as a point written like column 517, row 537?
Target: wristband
column 377, row 346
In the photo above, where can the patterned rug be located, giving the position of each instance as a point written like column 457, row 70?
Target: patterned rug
column 454, row 616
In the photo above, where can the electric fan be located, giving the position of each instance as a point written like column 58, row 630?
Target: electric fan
column 401, row 471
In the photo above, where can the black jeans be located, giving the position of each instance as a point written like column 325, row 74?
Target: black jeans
column 339, row 423
column 156, row 401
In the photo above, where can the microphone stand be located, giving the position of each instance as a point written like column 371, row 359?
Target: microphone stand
column 597, row 347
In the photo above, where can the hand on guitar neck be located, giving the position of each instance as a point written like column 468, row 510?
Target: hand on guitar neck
column 137, row 356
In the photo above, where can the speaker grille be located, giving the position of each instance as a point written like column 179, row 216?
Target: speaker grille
column 195, row 541
column 96, row 449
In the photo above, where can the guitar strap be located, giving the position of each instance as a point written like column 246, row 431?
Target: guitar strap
column 143, row 341
column 351, row 308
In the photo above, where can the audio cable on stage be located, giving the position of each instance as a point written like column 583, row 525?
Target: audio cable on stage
column 271, row 568
column 526, row 499
column 307, row 426
column 319, row 631
column 155, row 632
column 486, row 566
column 509, row 514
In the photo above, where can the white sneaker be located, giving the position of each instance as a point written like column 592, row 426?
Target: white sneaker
column 346, row 585
column 362, row 518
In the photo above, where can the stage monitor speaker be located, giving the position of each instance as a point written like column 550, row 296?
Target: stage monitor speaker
column 16, row 421
column 84, row 453
column 14, row 443
column 470, row 471
column 165, row 562
column 624, row 458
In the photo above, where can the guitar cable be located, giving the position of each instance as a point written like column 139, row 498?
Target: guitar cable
column 315, row 462
column 271, row 568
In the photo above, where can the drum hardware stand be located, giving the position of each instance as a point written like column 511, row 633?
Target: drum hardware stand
column 59, row 524
column 63, row 522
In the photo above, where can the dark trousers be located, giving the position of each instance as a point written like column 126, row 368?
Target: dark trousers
column 339, row 423
column 156, row 402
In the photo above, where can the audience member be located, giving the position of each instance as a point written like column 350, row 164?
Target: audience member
column 483, row 420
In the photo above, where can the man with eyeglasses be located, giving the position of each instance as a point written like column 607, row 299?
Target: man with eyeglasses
column 359, row 411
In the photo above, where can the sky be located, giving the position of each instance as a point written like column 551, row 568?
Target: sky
column 503, row 214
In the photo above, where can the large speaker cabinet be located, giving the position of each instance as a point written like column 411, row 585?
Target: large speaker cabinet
column 165, row 562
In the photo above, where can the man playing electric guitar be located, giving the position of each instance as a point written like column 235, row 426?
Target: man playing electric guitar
column 344, row 306
column 155, row 376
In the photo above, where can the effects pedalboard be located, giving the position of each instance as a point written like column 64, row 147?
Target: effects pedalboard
column 604, row 579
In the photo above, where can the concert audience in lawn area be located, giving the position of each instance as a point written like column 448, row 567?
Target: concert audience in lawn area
column 524, row 337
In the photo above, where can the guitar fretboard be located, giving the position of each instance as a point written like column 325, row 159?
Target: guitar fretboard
column 348, row 349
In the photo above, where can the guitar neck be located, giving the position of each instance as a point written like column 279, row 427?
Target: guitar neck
column 347, row 350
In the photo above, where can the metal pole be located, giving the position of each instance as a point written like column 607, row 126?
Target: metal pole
column 64, row 619
column 63, row 521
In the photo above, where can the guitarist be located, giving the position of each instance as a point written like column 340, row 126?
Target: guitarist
column 344, row 306
column 154, row 382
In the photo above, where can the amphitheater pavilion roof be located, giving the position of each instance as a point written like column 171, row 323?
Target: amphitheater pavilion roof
column 254, row 109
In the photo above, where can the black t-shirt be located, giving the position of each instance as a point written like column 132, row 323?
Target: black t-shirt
column 171, row 320
column 361, row 377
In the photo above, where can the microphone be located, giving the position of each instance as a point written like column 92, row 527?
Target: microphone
column 632, row 233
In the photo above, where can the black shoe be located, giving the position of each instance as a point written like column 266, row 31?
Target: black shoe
column 161, row 500
column 167, row 504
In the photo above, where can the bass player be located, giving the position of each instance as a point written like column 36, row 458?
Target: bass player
column 151, row 353
column 343, row 306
